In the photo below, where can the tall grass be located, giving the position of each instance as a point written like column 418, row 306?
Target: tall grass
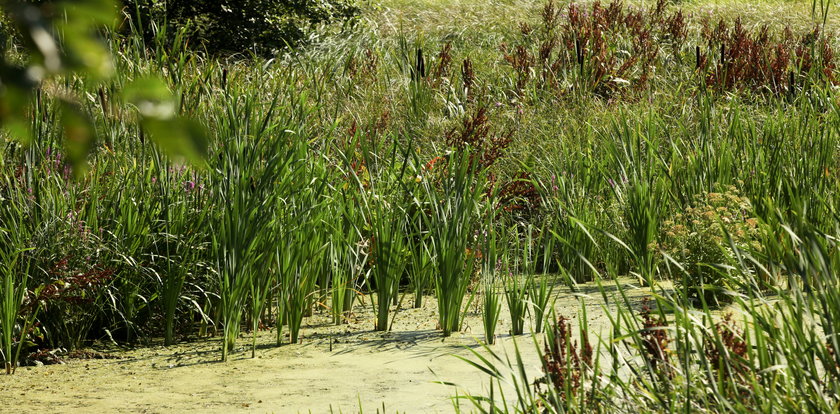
column 348, row 257
column 15, row 267
column 325, row 179
column 421, row 256
column 492, row 275
column 453, row 222
column 14, row 288
column 382, row 200
column 302, row 246
column 643, row 197
column 244, row 179
column 759, row 359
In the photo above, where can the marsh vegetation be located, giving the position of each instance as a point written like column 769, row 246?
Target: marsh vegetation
column 490, row 168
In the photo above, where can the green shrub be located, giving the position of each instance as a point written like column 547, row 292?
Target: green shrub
column 237, row 26
column 699, row 238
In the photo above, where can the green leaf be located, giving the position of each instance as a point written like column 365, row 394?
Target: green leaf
column 79, row 135
column 18, row 129
column 152, row 98
column 83, row 49
column 65, row 35
column 87, row 54
column 90, row 12
column 177, row 136
column 180, row 138
column 14, row 103
column 15, row 95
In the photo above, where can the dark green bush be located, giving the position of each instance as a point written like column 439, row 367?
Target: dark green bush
column 237, row 26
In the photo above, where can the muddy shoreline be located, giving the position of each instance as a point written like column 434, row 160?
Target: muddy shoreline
column 333, row 367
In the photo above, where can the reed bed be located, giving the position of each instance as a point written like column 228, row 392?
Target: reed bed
column 588, row 141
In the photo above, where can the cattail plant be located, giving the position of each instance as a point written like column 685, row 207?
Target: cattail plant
column 643, row 195
column 303, row 247
column 297, row 278
column 453, row 221
column 419, row 93
column 643, row 216
column 184, row 216
column 388, row 252
column 14, row 273
column 492, row 265
column 420, row 262
column 348, row 254
column 246, row 180
column 14, row 282
column 492, row 302
column 541, row 295
column 381, row 194
column 520, row 277
column 516, row 290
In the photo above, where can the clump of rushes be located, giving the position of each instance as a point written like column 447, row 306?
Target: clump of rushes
column 14, row 280
column 182, row 243
column 421, row 258
column 388, row 252
column 541, row 287
column 347, row 255
column 642, row 214
column 492, row 265
column 235, row 247
column 643, row 195
column 515, row 294
column 246, row 179
column 516, row 289
column 298, row 275
column 14, row 276
column 303, row 244
column 380, row 189
column 453, row 221
column 492, row 305
column 570, row 197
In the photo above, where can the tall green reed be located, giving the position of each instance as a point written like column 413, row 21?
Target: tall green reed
column 253, row 166
column 348, row 256
column 518, row 279
column 380, row 174
column 643, row 193
column 15, row 278
column 388, row 252
column 453, row 222
column 516, row 290
column 14, row 273
column 298, row 259
column 492, row 239
column 420, row 262
column 185, row 216
column 14, row 289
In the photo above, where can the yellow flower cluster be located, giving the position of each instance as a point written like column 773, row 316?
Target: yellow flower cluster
column 706, row 232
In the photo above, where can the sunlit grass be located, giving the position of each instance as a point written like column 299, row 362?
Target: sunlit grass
column 358, row 167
